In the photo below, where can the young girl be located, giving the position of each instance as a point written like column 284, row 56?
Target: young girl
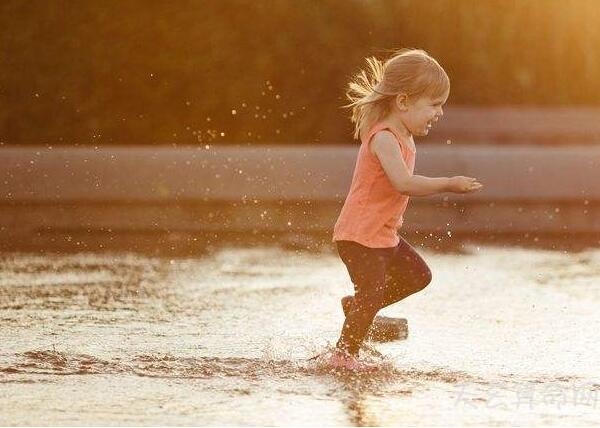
column 392, row 102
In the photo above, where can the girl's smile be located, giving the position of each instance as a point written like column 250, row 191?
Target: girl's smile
column 430, row 123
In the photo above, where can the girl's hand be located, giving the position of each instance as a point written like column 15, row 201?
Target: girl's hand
column 460, row 184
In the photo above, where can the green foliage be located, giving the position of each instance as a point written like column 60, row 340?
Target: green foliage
column 160, row 72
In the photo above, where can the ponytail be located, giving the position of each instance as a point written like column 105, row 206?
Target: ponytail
column 366, row 100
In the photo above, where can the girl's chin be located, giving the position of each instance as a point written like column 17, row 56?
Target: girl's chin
column 420, row 132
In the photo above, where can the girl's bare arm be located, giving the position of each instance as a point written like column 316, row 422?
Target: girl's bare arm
column 385, row 147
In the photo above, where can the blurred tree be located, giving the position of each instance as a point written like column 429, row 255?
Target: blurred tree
column 242, row 71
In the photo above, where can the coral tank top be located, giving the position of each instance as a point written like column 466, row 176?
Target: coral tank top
column 373, row 211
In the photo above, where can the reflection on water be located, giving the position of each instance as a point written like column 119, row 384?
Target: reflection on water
column 501, row 336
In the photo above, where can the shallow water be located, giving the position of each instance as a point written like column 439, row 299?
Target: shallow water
column 501, row 336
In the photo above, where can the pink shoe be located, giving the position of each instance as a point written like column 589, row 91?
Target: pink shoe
column 341, row 360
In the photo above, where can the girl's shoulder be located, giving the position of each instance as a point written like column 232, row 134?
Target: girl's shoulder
column 374, row 129
column 404, row 141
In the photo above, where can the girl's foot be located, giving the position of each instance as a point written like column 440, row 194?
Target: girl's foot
column 340, row 359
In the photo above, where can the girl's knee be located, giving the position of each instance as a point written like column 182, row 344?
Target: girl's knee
column 426, row 277
column 429, row 276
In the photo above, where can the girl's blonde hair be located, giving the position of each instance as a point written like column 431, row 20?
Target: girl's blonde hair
column 410, row 71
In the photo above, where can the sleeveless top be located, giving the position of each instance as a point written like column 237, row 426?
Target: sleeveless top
column 373, row 210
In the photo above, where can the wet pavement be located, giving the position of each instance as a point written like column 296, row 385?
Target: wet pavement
column 502, row 336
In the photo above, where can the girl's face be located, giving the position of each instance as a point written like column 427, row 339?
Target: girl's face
column 419, row 115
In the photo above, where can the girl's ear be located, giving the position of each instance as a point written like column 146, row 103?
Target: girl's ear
column 402, row 102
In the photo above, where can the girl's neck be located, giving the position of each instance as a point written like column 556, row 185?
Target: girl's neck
column 393, row 120
column 401, row 131
column 398, row 126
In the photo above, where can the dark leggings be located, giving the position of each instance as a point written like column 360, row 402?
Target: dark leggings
column 381, row 276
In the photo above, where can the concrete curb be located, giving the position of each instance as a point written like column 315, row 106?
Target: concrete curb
column 307, row 173
column 195, row 194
